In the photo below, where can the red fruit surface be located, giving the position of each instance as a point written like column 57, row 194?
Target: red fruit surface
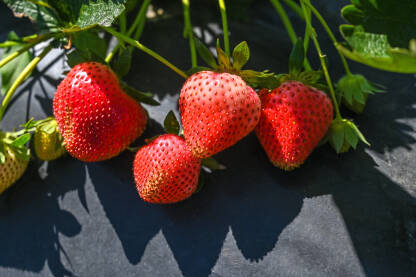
column 294, row 118
column 217, row 110
column 95, row 117
column 166, row 171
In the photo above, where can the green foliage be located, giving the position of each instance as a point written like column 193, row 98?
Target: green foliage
column 381, row 34
column 11, row 71
column 297, row 58
column 344, row 134
column 241, row 55
column 52, row 15
column 171, row 124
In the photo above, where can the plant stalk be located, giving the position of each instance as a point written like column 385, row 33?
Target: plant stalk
column 141, row 16
column 14, row 55
column 188, row 32
column 28, row 69
column 323, row 62
column 288, row 25
column 143, row 48
column 330, row 34
column 223, row 11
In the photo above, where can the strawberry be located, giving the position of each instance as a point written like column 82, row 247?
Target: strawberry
column 217, row 110
column 95, row 117
column 294, row 118
column 47, row 141
column 14, row 157
column 11, row 170
column 166, row 171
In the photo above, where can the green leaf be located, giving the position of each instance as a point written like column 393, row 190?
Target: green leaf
column 76, row 57
column 241, row 55
column 122, row 63
column 212, row 164
column 83, row 55
column 393, row 18
column 85, row 13
column 12, row 70
column 223, row 59
column 171, row 124
column 205, row 53
column 20, row 141
column 201, row 182
column 351, row 136
column 297, row 58
column 89, row 40
column 143, row 97
column 46, row 18
column 381, row 34
column 337, row 135
column 260, row 79
column 358, row 132
column 2, row 157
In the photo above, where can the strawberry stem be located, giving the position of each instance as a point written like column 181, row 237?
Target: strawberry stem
column 28, row 69
column 323, row 62
column 35, row 41
column 330, row 33
column 143, row 48
column 188, row 32
column 288, row 25
column 295, row 7
column 307, row 31
column 138, row 23
column 223, row 11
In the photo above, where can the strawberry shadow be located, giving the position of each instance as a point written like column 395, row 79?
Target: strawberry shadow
column 32, row 220
column 252, row 206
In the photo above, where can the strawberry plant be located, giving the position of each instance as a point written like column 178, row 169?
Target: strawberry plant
column 97, row 115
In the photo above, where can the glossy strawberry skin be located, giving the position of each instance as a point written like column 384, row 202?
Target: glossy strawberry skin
column 95, row 117
column 166, row 171
column 294, row 118
column 217, row 110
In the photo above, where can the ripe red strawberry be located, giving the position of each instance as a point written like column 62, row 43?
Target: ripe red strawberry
column 217, row 110
column 95, row 117
column 294, row 118
column 166, row 171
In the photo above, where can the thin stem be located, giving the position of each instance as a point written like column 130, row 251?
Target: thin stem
column 224, row 26
column 123, row 23
column 148, row 51
column 330, row 33
column 307, row 17
column 285, row 19
column 141, row 16
column 14, row 55
column 323, row 62
column 295, row 7
column 28, row 69
column 288, row 25
column 188, row 31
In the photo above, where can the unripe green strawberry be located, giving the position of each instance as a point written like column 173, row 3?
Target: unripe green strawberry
column 294, row 118
column 96, row 118
column 47, row 141
column 12, row 169
column 166, row 171
column 217, row 110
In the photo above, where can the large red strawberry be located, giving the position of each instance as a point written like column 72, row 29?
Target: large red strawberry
column 217, row 110
column 166, row 171
column 294, row 118
column 95, row 117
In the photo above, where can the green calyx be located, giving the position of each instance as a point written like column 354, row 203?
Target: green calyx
column 344, row 134
column 16, row 142
column 354, row 90
column 296, row 72
column 224, row 63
